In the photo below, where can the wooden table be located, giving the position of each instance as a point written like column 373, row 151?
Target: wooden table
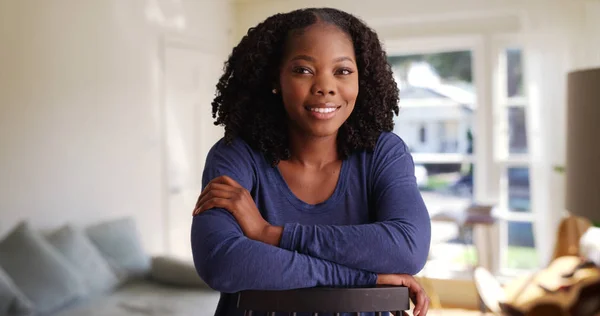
column 484, row 235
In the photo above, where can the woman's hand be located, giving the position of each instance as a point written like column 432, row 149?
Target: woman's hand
column 224, row 192
column 417, row 294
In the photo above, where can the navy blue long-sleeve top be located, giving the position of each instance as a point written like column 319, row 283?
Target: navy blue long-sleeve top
column 374, row 222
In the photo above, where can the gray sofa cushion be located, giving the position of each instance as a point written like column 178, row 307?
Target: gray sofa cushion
column 12, row 301
column 42, row 274
column 174, row 271
column 89, row 264
column 118, row 241
column 144, row 298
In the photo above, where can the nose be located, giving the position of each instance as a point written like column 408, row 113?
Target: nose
column 324, row 84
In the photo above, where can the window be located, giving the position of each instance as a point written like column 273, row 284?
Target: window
column 422, row 134
column 517, row 244
column 437, row 91
column 450, row 135
column 463, row 114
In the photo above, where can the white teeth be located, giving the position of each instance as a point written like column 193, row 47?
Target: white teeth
column 323, row 110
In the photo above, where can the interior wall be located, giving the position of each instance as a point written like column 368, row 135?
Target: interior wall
column 398, row 18
column 560, row 37
column 82, row 133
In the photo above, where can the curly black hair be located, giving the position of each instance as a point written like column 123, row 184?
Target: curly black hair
column 248, row 109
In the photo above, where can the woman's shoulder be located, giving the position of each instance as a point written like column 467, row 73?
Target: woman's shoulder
column 389, row 148
column 234, row 158
column 237, row 151
column 388, row 144
column 236, row 144
column 389, row 141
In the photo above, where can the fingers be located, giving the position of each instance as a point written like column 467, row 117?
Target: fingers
column 416, row 292
column 213, row 203
column 418, row 296
column 425, row 307
column 422, row 304
column 203, row 204
column 210, row 187
column 222, row 183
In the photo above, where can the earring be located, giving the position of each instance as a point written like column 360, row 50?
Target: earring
column 274, row 91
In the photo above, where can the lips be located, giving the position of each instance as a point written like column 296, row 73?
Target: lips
column 323, row 111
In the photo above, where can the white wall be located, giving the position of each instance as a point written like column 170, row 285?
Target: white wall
column 399, row 18
column 560, row 37
column 82, row 107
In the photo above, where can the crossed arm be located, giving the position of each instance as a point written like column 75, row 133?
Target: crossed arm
column 236, row 249
column 230, row 262
column 397, row 242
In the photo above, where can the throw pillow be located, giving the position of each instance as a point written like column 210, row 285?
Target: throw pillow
column 119, row 242
column 42, row 273
column 89, row 264
column 12, row 301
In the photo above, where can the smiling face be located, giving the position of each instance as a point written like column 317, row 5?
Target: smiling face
column 319, row 80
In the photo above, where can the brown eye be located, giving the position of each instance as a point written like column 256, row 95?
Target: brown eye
column 302, row 70
column 344, row 72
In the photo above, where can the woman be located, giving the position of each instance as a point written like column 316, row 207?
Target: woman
column 309, row 187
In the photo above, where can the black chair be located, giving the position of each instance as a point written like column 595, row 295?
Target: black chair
column 377, row 299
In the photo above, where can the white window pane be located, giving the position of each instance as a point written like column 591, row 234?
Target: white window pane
column 514, row 73
column 517, row 131
column 521, row 252
column 519, row 195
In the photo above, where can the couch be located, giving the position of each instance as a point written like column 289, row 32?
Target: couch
column 99, row 270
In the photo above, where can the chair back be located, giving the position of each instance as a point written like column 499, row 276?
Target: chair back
column 378, row 299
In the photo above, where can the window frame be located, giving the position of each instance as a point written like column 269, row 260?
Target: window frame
column 490, row 182
column 502, row 156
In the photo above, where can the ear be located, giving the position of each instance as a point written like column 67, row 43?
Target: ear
column 275, row 88
column 275, row 81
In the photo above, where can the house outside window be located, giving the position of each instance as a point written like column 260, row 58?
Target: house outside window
column 422, row 134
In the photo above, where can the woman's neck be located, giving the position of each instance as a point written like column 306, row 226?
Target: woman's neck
column 314, row 152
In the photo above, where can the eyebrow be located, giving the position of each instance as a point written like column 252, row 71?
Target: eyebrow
column 340, row 59
column 312, row 60
column 304, row 57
